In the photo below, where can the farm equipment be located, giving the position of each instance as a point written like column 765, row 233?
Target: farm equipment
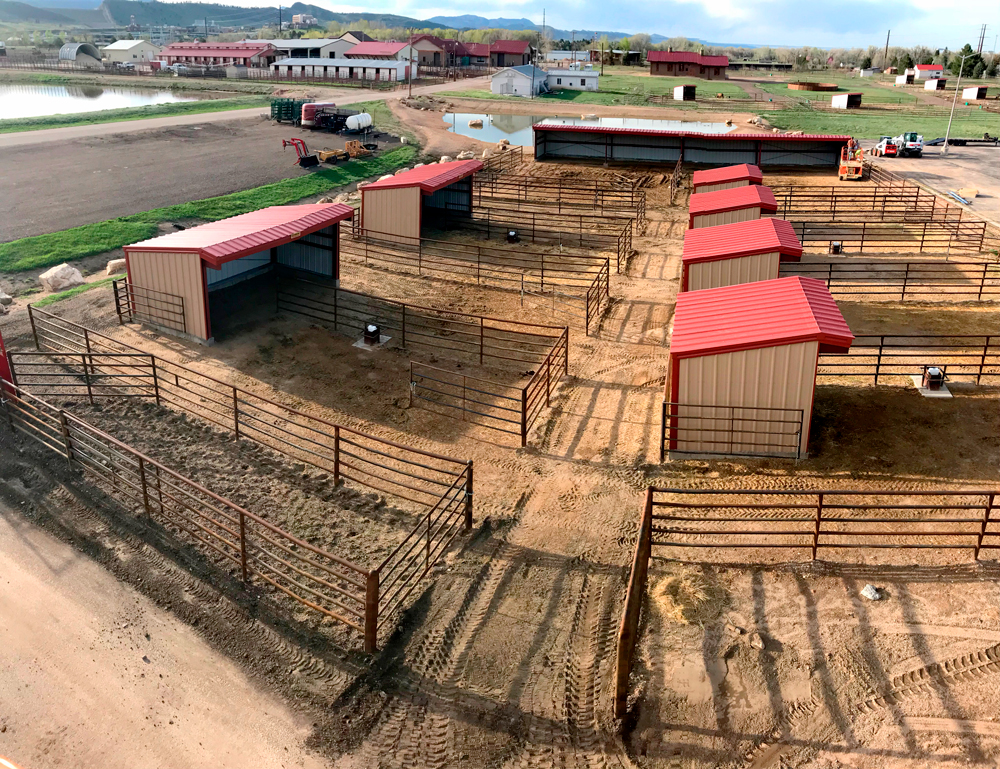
column 287, row 110
column 852, row 162
column 885, row 148
column 909, row 144
column 333, row 156
column 306, row 159
column 356, row 149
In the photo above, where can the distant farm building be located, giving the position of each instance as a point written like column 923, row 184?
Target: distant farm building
column 726, row 178
column 572, row 79
column 84, row 54
column 528, row 80
column 687, row 64
column 846, row 101
column 305, row 48
column 904, row 79
column 974, row 92
column 122, row 51
column 250, row 54
column 344, row 69
column 376, row 50
column 935, row 84
column 730, row 254
column 510, row 53
column 740, row 204
column 400, row 207
column 685, row 92
column 928, row 71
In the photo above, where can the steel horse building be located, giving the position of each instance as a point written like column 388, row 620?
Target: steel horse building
column 555, row 141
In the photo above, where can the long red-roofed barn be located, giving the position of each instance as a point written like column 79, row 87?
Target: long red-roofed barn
column 743, row 363
column 687, row 64
column 726, row 178
column 729, row 254
column 172, row 278
column 397, row 208
column 707, row 209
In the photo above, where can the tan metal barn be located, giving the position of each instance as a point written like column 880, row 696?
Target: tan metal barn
column 743, row 366
column 729, row 254
column 726, row 178
column 398, row 208
column 708, row 209
column 172, row 278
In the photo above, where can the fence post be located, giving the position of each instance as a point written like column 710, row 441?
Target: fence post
column 156, row 381
column 236, row 413
column 404, row 327
column 142, row 483
column 906, row 279
column 118, row 305
column 371, row 612
column 64, row 428
column 86, row 378
column 34, row 331
column 982, row 282
column 819, row 518
column 243, row 548
column 982, row 360
column 878, row 361
column 985, row 523
column 548, row 378
column 468, row 495
column 524, row 417
column 336, row 445
column 481, row 321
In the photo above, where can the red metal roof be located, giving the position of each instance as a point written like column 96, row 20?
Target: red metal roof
column 477, row 49
column 731, row 241
column 226, row 50
column 837, row 138
column 719, row 201
column 375, row 48
column 509, row 46
column 727, row 174
column 749, row 316
column 429, row 178
column 228, row 239
column 687, row 57
column 929, row 66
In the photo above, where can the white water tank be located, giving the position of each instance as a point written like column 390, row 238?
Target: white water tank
column 359, row 122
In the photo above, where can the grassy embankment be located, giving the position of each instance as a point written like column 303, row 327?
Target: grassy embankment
column 53, row 298
column 201, row 106
column 968, row 123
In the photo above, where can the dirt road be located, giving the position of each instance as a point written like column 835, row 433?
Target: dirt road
column 93, row 673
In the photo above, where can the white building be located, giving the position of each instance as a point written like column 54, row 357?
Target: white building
column 928, row 71
column 318, row 48
column 576, row 80
column 526, row 80
column 130, row 50
column 564, row 56
column 344, row 69
column 871, row 71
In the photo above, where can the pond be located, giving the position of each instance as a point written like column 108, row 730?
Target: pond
column 41, row 100
column 517, row 128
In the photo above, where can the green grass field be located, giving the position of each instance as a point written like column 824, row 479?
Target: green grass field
column 866, row 125
column 53, row 298
column 42, row 251
column 131, row 113
column 871, row 93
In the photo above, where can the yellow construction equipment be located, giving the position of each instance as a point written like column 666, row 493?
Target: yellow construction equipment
column 333, row 156
column 852, row 162
column 356, row 150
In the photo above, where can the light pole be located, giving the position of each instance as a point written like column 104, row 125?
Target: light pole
column 958, row 85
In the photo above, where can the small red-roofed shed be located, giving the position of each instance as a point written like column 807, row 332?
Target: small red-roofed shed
column 729, row 254
column 743, row 363
column 707, row 209
column 175, row 280
column 398, row 207
column 726, row 178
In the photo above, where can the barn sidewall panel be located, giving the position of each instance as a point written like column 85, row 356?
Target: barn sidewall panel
column 730, row 272
column 721, row 186
column 394, row 212
column 178, row 274
column 238, row 270
column 781, row 377
column 725, row 217
column 307, row 258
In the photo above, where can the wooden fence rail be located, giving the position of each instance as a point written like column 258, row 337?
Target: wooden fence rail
column 762, row 522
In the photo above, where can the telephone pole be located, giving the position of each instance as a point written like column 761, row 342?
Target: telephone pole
column 279, row 19
column 885, row 55
column 982, row 40
column 206, row 29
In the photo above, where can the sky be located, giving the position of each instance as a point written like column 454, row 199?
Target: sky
column 845, row 23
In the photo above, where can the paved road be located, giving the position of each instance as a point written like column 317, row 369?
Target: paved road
column 93, row 674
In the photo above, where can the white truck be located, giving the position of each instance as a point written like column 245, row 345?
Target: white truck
column 909, row 144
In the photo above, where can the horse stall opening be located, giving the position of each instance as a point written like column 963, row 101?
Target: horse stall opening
column 185, row 282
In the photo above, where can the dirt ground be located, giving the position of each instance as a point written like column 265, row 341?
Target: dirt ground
column 506, row 659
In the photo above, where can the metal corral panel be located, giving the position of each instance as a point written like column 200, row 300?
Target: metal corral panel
column 177, row 274
column 781, row 377
column 393, row 211
column 455, row 197
column 800, row 154
column 303, row 256
column 711, row 151
column 729, row 272
column 725, row 217
column 244, row 268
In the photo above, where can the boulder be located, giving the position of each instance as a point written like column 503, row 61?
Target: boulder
column 475, row 123
column 504, row 142
column 486, row 153
column 403, row 140
column 383, row 178
column 362, row 184
column 61, row 277
column 402, row 171
column 418, row 165
column 5, row 299
column 446, row 159
column 466, row 155
column 115, row 266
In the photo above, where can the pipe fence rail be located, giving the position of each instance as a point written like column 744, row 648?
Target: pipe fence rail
column 158, row 308
column 965, row 237
column 414, row 479
column 573, row 230
column 576, row 286
column 96, row 375
column 760, row 522
column 940, row 281
column 605, row 196
column 735, row 431
column 909, row 204
column 971, row 359
column 503, row 161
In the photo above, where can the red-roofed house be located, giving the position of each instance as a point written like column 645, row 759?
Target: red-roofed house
column 687, row 64
column 248, row 54
column 397, row 208
column 429, row 51
column 377, row 50
column 510, row 53
column 743, row 363
column 479, row 54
